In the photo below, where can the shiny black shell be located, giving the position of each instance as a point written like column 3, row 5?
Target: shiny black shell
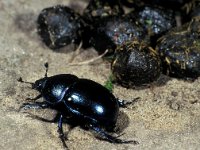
column 83, row 99
column 59, row 26
column 180, row 51
column 135, row 64
column 91, row 99
column 53, row 88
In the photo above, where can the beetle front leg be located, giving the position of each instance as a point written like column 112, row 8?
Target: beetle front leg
column 35, row 98
column 54, row 120
column 36, row 105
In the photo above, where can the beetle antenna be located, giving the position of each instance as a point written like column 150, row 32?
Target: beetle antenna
column 22, row 81
column 46, row 65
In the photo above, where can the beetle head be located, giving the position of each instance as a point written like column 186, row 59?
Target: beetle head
column 39, row 85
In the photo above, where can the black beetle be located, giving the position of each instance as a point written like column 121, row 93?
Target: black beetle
column 90, row 104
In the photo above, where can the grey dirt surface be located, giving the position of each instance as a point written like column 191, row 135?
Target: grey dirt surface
column 166, row 117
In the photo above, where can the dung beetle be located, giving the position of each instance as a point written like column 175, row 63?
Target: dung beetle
column 88, row 103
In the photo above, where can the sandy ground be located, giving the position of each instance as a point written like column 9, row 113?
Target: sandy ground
column 166, row 116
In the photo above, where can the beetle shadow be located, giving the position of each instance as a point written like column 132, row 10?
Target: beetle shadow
column 123, row 122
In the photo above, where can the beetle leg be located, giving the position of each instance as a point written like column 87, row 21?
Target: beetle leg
column 60, row 131
column 36, row 105
column 124, row 103
column 110, row 138
column 54, row 120
column 35, row 98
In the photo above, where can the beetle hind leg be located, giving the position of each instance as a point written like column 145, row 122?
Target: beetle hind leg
column 124, row 103
column 110, row 138
column 36, row 105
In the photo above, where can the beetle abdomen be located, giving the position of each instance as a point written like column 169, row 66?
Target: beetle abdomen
column 93, row 101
